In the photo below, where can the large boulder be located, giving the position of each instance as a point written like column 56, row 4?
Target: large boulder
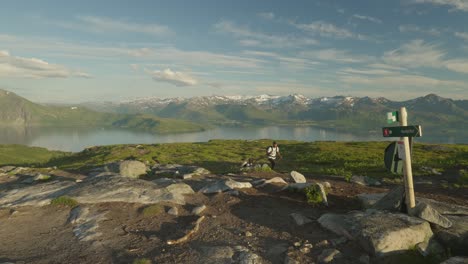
column 297, row 177
column 127, row 168
column 426, row 212
column 379, row 233
column 455, row 237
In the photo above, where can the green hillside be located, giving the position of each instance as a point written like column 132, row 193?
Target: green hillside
column 17, row 111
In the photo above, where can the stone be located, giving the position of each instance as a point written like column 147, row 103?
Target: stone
column 369, row 199
column 304, row 250
column 323, row 193
column 28, row 180
column 289, row 260
column 173, row 211
column 445, row 208
column 277, row 180
column 456, row 260
column 365, row 181
column 430, row 247
column 132, row 168
column 297, row 177
column 201, row 171
column 248, row 234
column 392, row 201
column 379, row 233
column 187, row 176
column 326, row 185
column 328, row 255
column 364, row 259
column 300, row 219
column 298, row 186
column 338, row 241
column 455, row 237
column 277, row 250
column 224, row 185
column 42, row 177
column 7, row 169
column 86, row 222
column 297, row 244
column 198, row 210
column 227, row 254
column 426, row 212
column 233, row 192
column 323, row 243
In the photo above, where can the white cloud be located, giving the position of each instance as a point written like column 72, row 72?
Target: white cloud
column 461, row 5
column 325, row 29
column 103, row 24
column 336, row 55
column 401, row 81
column 13, row 66
column 174, row 77
column 415, row 54
column 369, row 71
column 368, row 18
column 462, row 35
column 414, row 28
column 457, row 65
column 252, row 38
column 267, row 15
column 135, row 67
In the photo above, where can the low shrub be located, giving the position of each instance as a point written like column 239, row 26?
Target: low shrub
column 152, row 210
column 313, row 194
column 64, row 201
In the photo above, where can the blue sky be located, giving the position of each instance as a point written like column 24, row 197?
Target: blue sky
column 77, row 51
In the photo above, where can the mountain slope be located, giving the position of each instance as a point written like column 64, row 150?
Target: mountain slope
column 15, row 110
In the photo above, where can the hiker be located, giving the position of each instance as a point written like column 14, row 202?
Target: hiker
column 272, row 153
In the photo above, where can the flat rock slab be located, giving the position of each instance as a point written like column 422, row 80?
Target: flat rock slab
column 85, row 223
column 379, row 233
column 228, row 254
column 426, row 212
column 97, row 190
column 225, row 185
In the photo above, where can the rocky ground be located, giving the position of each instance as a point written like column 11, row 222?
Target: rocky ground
column 183, row 214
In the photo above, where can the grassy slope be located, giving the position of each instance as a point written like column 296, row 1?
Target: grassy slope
column 19, row 154
column 222, row 156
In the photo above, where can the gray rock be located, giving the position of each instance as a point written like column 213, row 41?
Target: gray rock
column 455, row 237
column 300, row 219
column 328, row 255
column 364, row 259
column 430, row 247
column 198, row 210
column 365, row 181
column 187, row 176
column 338, row 241
column 392, row 201
column 86, row 223
column 42, row 177
column 379, row 233
column 7, row 169
column 233, row 192
column 445, row 208
column 323, row 193
column 426, row 212
column 326, row 185
column 132, row 168
column 28, row 180
column 277, row 180
column 277, row 250
column 173, row 211
column 297, row 177
column 224, row 185
column 298, row 186
column 369, row 199
column 456, row 260
column 227, row 254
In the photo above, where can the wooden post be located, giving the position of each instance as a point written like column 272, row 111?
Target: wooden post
column 407, row 169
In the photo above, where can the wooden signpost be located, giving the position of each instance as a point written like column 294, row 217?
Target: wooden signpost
column 406, row 133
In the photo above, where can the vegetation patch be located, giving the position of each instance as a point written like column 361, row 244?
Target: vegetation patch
column 153, row 210
column 142, row 261
column 64, row 201
column 313, row 194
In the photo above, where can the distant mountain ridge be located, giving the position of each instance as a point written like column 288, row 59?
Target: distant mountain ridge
column 347, row 113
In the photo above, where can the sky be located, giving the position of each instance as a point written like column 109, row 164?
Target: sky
column 113, row 50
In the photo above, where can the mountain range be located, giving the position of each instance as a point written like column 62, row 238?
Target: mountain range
column 439, row 116
column 362, row 115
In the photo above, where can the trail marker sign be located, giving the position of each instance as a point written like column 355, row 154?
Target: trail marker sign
column 392, row 159
column 392, row 117
column 402, row 131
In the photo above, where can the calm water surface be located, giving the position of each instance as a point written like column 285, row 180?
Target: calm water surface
column 76, row 139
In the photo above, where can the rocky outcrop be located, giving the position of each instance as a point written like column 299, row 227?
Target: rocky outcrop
column 225, row 185
column 379, row 233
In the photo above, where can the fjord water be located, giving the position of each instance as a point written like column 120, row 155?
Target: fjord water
column 76, row 139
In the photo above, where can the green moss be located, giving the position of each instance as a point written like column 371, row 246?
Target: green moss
column 64, row 201
column 142, row 261
column 313, row 194
column 153, row 210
